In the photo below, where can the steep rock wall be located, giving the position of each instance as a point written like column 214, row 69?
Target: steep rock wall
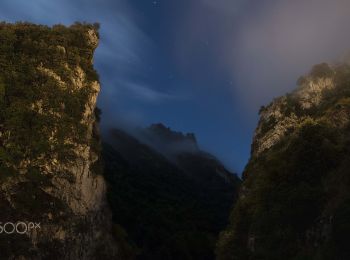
column 294, row 200
column 49, row 155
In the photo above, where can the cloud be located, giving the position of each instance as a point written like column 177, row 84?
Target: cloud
column 263, row 46
column 283, row 40
column 147, row 94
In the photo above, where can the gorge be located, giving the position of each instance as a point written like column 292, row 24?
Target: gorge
column 154, row 193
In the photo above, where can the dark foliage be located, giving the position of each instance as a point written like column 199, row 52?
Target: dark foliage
column 37, row 115
column 294, row 202
column 33, row 105
column 168, row 212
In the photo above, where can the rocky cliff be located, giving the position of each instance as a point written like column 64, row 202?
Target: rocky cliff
column 295, row 201
column 49, row 152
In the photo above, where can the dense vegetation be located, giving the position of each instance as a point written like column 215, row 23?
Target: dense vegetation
column 36, row 112
column 161, row 210
column 168, row 210
column 40, row 109
column 295, row 200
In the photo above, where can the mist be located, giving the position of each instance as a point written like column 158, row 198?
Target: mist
column 283, row 41
column 264, row 46
column 202, row 66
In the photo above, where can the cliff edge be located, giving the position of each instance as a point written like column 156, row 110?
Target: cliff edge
column 294, row 202
column 49, row 145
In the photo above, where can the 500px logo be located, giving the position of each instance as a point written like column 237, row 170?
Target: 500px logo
column 19, row 227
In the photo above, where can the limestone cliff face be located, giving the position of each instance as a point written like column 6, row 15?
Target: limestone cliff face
column 50, row 145
column 294, row 202
column 278, row 119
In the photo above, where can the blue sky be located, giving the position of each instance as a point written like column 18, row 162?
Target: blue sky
column 202, row 66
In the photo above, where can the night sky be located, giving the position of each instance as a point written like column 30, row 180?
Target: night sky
column 202, row 66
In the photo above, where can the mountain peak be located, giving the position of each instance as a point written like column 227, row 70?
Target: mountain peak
column 167, row 141
column 299, row 155
column 168, row 134
column 286, row 113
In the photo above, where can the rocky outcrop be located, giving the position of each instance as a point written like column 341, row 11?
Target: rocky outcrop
column 294, row 200
column 286, row 113
column 53, row 178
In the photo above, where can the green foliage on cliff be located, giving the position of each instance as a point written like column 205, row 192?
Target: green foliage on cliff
column 39, row 104
column 47, row 125
column 294, row 203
